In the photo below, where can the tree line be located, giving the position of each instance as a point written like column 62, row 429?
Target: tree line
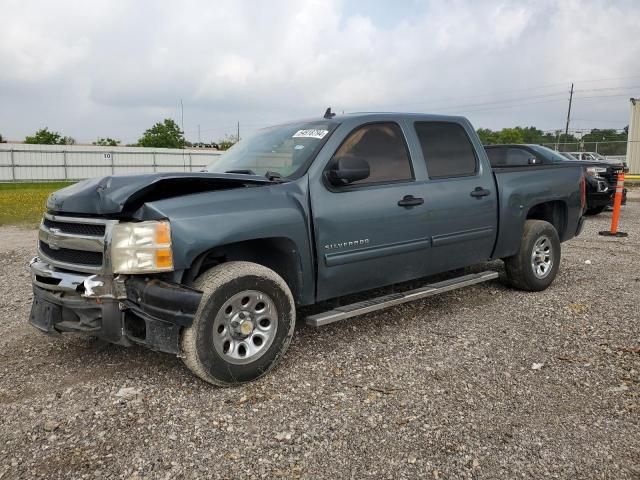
column 167, row 134
column 604, row 138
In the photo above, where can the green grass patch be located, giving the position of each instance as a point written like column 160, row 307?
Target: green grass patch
column 23, row 203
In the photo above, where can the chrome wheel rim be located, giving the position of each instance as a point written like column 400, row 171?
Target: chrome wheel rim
column 245, row 326
column 542, row 257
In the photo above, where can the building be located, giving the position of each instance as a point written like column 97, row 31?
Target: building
column 633, row 140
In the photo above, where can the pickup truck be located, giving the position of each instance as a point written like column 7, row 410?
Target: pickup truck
column 601, row 177
column 212, row 266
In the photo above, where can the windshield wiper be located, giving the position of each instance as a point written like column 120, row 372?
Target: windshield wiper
column 275, row 177
column 242, row 172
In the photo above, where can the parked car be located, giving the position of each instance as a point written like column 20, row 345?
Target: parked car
column 601, row 176
column 596, row 157
column 212, row 266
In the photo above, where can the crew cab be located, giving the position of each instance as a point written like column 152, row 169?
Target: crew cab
column 213, row 266
column 601, row 177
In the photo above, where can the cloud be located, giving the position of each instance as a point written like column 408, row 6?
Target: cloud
column 115, row 67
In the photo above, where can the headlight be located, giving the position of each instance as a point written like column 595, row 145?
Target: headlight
column 140, row 247
column 595, row 171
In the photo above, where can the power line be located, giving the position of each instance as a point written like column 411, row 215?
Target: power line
column 440, row 99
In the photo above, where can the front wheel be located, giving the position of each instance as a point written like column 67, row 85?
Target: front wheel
column 536, row 264
column 243, row 325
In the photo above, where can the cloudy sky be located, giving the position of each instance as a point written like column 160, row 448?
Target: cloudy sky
column 113, row 68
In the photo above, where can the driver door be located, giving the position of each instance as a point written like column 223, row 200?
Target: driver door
column 370, row 232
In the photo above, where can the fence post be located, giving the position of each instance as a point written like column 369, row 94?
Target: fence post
column 155, row 165
column 596, row 147
column 64, row 163
column 113, row 166
column 190, row 163
column 13, row 167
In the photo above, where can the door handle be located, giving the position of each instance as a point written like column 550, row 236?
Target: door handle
column 480, row 192
column 410, row 201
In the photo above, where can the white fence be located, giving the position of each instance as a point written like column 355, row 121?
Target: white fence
column 27, row 163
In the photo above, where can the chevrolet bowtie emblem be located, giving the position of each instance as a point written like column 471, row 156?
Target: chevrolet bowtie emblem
column 53, row 239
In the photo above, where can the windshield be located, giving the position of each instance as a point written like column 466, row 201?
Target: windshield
column 550, row 154
column 283, row 149
column 597, row 156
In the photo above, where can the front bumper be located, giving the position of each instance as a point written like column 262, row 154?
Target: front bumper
column 604, row 199
column 121, row 310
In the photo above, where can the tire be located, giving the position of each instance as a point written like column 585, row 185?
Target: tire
column 595, row 210
column 225, row 327
column 533, row 272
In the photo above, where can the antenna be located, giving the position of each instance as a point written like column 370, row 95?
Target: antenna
column 329, row 114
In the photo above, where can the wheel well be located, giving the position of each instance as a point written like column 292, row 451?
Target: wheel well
column 279, row 254
column 553, row 212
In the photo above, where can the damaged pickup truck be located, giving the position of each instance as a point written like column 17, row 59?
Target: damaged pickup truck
column 211, row 266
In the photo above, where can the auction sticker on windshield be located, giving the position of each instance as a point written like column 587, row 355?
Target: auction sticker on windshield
column 313, row 133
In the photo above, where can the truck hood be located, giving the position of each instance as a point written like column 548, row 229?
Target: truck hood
column 123, row 194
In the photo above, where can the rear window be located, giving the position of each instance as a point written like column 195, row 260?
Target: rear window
column 447, row 149
column 497, row 156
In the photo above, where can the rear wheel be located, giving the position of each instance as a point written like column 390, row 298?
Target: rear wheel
column 536, row 264
column 594, row 210
column 243, row 326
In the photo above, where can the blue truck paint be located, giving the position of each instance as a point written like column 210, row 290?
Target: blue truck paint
column 337, row 241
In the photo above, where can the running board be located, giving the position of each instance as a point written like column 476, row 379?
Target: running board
column 393, row 299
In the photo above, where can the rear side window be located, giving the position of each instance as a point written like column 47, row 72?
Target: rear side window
column 383, row 146
column 447, row 149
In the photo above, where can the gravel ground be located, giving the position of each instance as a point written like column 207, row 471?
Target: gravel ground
column 485, row 382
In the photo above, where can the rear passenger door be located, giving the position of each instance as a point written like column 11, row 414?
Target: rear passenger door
column 460, row 196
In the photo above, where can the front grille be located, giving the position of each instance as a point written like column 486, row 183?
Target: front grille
column 611, row 175
column 66, row 255
column 88, row 229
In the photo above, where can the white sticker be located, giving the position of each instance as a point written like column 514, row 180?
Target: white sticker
column 310, row 133
column 298, row 147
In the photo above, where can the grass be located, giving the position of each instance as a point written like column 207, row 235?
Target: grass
column 23, row 203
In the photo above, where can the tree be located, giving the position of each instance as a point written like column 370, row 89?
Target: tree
column 44, row 136
column 164, row 134
column 106, row 142
column 1, row 139
column 487, row 136
column 228, row 142
column 606, row 142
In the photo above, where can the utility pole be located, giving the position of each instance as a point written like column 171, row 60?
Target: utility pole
column 182, row 116
column 238, row 135
column 566, row 130
column 184, row 162
column 198, row 134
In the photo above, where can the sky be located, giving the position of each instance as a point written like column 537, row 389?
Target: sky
column 113, row 68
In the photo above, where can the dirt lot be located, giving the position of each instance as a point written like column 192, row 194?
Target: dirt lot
column 481, row 383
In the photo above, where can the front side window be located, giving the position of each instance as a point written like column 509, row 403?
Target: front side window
column 447, row 149
column 382, row 145
column 518, row 157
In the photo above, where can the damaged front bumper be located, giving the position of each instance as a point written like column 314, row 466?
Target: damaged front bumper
column 125, row 310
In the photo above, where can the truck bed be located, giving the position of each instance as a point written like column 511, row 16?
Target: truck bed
column 519, row 194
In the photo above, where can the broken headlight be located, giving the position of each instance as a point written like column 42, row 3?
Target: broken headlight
column 141, row 247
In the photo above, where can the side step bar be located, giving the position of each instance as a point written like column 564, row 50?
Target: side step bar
column 393, row 299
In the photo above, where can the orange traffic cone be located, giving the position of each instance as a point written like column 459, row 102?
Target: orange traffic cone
column 617, row 204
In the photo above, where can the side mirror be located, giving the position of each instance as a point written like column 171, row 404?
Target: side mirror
column 346, row 170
